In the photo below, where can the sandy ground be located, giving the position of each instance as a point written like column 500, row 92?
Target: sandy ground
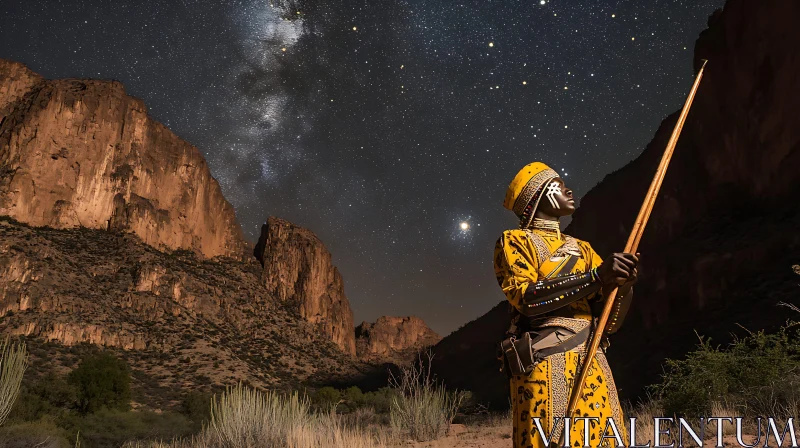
column 500, row 437
column 472, row 437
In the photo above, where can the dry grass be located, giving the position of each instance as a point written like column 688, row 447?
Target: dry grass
column 247, row 418
column 644, row 412
column 424, row 410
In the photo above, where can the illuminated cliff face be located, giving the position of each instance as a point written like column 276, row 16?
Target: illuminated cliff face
column 298, row 269
column 82, row 153
column 394, row 340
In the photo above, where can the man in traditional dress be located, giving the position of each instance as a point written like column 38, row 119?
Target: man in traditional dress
column 557, row 285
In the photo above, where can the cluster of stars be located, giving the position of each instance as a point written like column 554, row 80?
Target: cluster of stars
column 390, row 131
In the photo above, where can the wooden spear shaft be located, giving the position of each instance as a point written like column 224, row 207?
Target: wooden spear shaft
column 630, row 247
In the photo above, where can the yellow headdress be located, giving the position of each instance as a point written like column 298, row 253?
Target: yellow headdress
column 525, row 190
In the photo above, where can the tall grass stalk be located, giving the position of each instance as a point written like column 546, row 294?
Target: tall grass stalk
column 423, row 410
column 247, row 418
column 244, row 417
column 13, row 362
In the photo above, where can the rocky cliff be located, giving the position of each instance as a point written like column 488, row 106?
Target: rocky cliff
column 724, row 231
column 182, row 322
column 82, row 153
column 723, row 236
column 297, row 268
column 394, row 340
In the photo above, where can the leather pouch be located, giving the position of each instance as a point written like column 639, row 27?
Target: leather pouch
column 523, row 353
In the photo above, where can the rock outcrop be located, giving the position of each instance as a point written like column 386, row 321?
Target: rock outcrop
column 720, row 243
column 82, row 153
column 723, row 236
column 185, row 321
column 393, row 340
column 297, row 268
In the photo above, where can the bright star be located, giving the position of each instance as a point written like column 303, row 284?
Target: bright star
column 491, row 44
column 465, row 226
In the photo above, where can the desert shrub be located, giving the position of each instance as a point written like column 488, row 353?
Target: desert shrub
column 756, row 375
column 353, row 397
column 197, row 406
column 48, row 395
column 109, row 428
column 381, row 399
column 243, row 418
column 422, row 409
column 43, row 434
column 13, row 362
column 326, row 398
column 101, row 381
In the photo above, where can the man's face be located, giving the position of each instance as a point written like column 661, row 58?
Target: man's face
column 557, row 199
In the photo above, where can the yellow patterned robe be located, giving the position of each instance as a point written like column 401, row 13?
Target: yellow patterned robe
column 521, row 259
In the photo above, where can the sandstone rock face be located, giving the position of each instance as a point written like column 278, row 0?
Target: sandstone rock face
column 82, row 153
column 393, row 339
column 723, row 236
column 187, row 321
column 298, row 269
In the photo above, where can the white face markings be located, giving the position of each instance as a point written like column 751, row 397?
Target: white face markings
column 552, row 190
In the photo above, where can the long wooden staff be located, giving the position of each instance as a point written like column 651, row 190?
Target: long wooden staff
column 630, row 247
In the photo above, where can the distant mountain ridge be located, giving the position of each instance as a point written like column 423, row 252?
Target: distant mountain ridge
column 393, row 340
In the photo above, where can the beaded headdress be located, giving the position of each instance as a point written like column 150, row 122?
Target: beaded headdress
column 526, row 189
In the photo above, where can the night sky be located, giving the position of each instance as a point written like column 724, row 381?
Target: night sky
column 382, row 126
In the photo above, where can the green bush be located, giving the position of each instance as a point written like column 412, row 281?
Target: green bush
column 758, row 375
column 353, row 397
column 49, row 395
column 326, row 398
column 380, row 400
column 43, row 434
column 109, row 428
column 197, row 406
column 101, row 381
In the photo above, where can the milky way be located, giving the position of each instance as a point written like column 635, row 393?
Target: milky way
column 383, row 126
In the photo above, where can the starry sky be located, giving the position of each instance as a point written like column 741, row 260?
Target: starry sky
column 384, row 126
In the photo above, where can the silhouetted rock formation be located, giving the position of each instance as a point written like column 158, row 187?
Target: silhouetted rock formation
column 395, row 340
column 466, row 358
column 82, row 153
column 298, row 269
column 723, row 236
